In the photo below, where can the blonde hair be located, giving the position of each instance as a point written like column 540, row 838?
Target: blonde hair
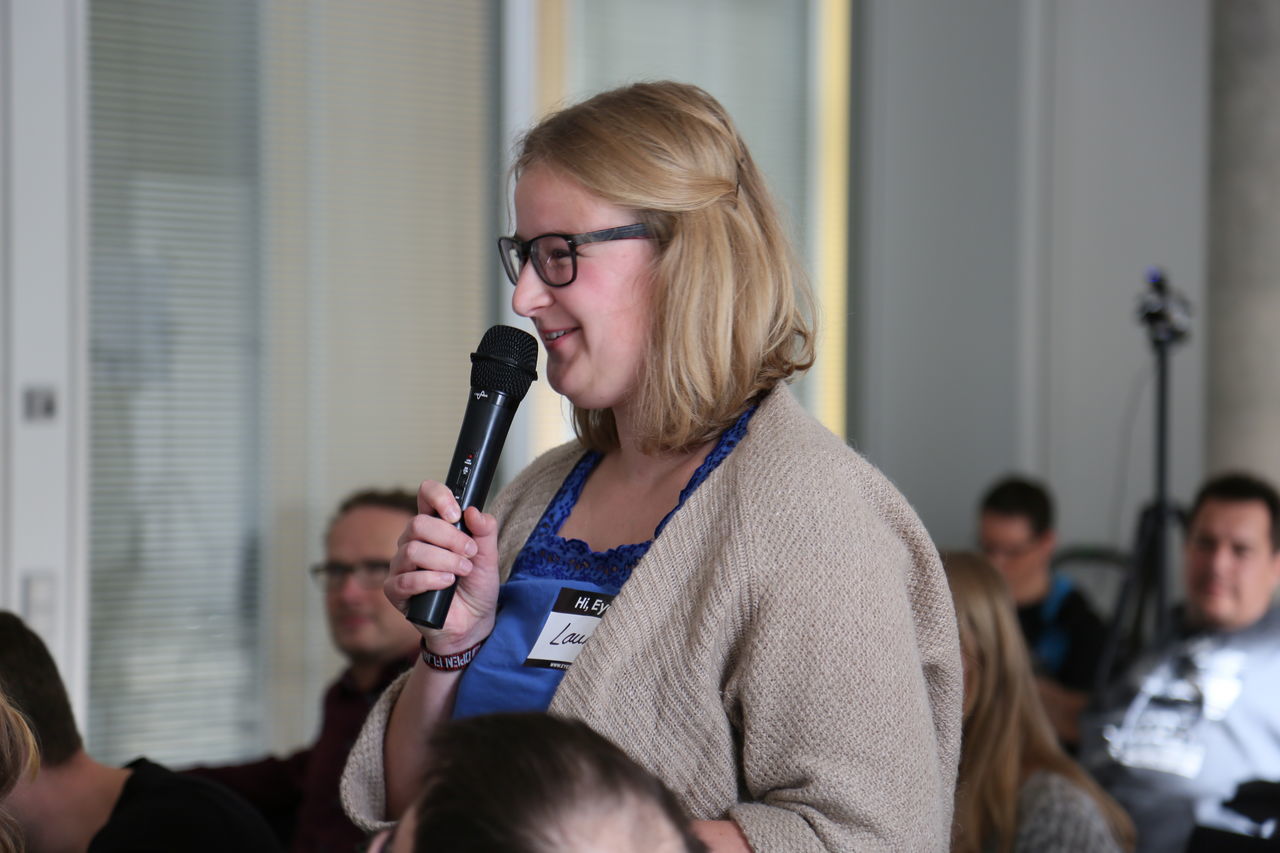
column 731, row 311
column 1007, row 733
column 19, row 756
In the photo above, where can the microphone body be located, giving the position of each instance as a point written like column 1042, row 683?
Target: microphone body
column 502, row 369
column 475, row 460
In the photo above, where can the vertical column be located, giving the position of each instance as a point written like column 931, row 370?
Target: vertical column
column 42, row 87
column 1243, row 306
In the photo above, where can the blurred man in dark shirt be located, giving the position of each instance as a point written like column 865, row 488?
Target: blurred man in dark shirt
column 1065, row 637
column 298, row 794
column 74, row 802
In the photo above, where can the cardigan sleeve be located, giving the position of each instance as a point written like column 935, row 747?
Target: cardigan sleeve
column 517, row 508
column 847, row 688
column 364, row 787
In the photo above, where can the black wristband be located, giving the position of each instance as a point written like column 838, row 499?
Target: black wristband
column 448, row 663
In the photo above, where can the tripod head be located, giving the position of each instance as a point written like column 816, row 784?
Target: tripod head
column 1165, row 312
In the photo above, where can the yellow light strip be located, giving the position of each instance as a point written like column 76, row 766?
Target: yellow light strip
column 831, row 228
column 548, row 426
column 553, row 51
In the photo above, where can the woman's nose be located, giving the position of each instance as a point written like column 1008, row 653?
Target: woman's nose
column 531, row 293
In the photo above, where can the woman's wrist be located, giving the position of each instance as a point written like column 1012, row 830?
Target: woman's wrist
column 445, row 644
column 448, row 662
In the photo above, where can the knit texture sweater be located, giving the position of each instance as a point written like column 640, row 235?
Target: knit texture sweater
column 784, row 656
column 1056, row 816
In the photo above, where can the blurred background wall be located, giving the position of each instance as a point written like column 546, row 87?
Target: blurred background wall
column 247, row 245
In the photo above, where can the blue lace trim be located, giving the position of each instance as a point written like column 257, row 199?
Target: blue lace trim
column 546, row 554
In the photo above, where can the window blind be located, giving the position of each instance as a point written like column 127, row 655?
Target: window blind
column 175, row 358
column 290, row 227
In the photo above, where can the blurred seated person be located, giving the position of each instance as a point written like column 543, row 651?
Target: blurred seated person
column 299, row 794
column 19, row 759
column 74, row 804
column 533, row 783
column 1016, row 534
column 1017, row 789
column 1199, row 714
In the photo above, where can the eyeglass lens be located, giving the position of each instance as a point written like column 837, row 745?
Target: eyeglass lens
column 333, row 574
column 554, row 258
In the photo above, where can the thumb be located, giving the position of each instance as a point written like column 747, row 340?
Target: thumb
column 484, row 530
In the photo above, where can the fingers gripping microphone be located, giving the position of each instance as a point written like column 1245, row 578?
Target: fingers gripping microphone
column 501, row 370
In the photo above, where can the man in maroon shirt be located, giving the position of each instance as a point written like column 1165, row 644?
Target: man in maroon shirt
column 299, row 794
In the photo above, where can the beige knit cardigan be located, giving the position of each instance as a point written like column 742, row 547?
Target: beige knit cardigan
column 785, row 655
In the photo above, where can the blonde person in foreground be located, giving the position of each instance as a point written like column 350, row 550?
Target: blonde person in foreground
column 777, row 642
column 19, row 759
column 1018, row 791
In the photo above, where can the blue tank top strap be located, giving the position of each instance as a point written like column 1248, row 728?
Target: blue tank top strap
column 724, row 446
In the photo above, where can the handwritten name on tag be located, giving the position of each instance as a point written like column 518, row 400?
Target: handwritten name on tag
column 571, row 622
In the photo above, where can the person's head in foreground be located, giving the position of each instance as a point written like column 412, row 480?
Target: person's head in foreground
column 1007, row 735
column 654, row 265
column 533, row 783
column 1232, row 552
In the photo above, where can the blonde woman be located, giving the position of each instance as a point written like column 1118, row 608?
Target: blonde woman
column 1017, row 791
column 19, row 759
column 757, row 616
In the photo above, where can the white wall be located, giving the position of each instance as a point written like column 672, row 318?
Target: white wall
column 1129, row 176
column 1021, row 164
column 936, row 264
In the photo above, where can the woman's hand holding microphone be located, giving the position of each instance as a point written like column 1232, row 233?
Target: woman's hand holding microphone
column 432, row 553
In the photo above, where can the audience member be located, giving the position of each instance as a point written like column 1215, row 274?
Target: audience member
column 19, row 759
column 707, row 576
column 1016, row 533
column 299, row 794
column 1198, row 715
column 74, row 803
column 1017, row 790
column 533, row 783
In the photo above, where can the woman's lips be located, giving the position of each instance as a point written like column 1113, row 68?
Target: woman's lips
column 555, row 337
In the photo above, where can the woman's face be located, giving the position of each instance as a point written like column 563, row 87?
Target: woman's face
column 596, row 329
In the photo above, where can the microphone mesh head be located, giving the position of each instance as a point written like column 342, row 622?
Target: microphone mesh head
column 505, row 361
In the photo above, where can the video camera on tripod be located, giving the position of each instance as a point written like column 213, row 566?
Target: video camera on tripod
column 1166, row 315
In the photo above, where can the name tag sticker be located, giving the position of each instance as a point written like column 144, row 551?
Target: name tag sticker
column 571, row 622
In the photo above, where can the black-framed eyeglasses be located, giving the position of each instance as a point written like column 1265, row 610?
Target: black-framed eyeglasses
column 332, row 574
column 555, row 256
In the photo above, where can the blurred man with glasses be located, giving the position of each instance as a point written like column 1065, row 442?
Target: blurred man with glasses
column 299, row 794
column 1063, row 633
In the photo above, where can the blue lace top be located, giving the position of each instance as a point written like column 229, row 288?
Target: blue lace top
column 557, row 592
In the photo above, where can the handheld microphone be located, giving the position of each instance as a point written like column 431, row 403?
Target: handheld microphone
column 501, row 369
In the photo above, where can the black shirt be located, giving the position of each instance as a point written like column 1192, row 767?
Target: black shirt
column 159, row 810
column 1065, row 638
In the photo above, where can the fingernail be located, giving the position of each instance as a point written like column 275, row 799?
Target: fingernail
column 452, row 514
column 464, row 565
column 470, row 549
